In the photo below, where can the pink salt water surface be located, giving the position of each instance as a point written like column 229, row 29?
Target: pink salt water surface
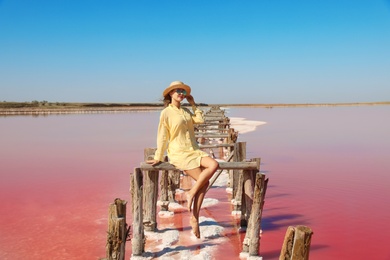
column 328, row 168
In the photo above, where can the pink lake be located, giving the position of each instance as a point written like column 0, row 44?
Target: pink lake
column 328, row 168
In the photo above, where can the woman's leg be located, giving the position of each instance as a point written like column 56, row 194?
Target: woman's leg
column 198, row 200
column 198, row 191
column 202, row 175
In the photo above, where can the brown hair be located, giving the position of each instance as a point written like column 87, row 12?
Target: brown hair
column 167, row 100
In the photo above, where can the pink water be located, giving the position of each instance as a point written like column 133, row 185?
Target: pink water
column 328, row 169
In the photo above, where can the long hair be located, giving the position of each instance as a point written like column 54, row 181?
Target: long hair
column 167, row 100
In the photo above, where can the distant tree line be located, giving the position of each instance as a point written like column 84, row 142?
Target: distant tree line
column 32, row 104
column 44, row 103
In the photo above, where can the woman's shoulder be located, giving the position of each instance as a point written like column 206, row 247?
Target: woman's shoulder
column 167, row 111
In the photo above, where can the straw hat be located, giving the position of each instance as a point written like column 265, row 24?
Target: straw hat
column 175, row 85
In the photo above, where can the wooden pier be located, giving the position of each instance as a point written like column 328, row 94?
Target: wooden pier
column 247, row 183
column 246, row 180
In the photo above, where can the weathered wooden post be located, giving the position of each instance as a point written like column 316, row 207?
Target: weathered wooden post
column 150, row 194
column 169, row 182
column 138, row 240
column 249, row 178
column 223, row 124
column 117, row 230
column 252, row 237
column 226, row 122
column 164, row 200
column 296, row 245
column 237, row 175
column 232, row 136
column 173, row 184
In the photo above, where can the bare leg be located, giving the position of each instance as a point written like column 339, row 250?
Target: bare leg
column 198, row 191
column 202, row 176
column 198, row 200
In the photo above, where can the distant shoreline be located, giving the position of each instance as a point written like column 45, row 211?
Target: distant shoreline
column 46, row 108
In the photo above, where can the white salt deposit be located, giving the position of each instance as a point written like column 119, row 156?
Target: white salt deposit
column 175, row 205
column 243, row 126
column 165, row 246
column 208, row 202
column 209, row 228
column 222, row 179
column 236, row 213
column 166, row 214
column 248, row 257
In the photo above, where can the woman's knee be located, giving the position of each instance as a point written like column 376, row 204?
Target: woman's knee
column 210, row 164
column 214, row 165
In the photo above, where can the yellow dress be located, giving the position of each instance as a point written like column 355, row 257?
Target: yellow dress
column 176, row 136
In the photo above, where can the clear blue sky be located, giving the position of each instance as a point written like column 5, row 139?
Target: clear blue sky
column 265, row 51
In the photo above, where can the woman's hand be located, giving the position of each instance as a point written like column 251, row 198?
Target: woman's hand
column 153, row 162
column 190, row 100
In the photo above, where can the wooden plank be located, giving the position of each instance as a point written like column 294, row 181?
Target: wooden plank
column 215, row 114
column 222, row 165
column 219, row 115
column 214, row 120
column 211, row 135
column 205, row 146
column 212, row 124
column 208, row 128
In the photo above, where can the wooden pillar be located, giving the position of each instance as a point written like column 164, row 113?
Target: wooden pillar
column 257, row 210
column 221, row 140
column 251, row 242
column 238, row 175
column 226, row 122
column 249, row 178
column 296, row 245
column 164, row 184
column 169, row 182
column 173, row 184
column 150, row 194
column 138, row 240
column 117, row 230
column 232, row 136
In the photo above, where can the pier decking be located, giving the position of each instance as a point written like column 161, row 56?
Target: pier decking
column 247, row 183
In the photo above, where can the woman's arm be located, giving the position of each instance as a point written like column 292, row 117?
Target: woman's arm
column 197, row 117
column 162, row 140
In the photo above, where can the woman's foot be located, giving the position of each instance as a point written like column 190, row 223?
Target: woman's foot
column 195, row 226
column 189, row 201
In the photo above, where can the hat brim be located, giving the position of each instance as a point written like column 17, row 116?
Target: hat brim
column 183, row 86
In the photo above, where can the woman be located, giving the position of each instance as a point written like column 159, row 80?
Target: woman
column 176, row 136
